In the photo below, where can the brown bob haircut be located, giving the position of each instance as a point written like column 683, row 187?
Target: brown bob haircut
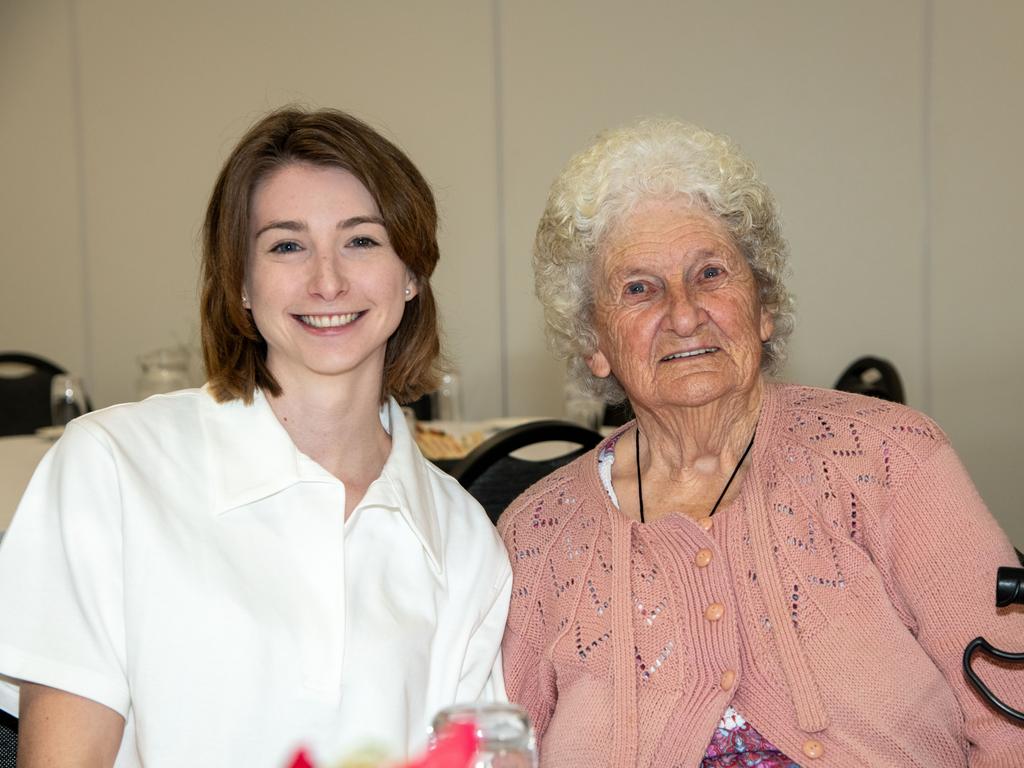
column 234, row 352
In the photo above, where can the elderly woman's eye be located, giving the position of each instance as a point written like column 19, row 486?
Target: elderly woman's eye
column 635, row 289
column 710, row 272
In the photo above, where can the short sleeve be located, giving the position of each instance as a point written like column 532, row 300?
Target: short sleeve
column 61, row 575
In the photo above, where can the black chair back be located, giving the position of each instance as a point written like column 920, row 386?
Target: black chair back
column 25, row 398
column 495, row 478
column 617, row 414
column 8, row 740
column 872, row 376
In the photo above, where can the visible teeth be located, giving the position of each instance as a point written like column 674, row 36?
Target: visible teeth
column 328, row 321
column 693, row 353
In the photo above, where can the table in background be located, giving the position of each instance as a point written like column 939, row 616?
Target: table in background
column 19, row 455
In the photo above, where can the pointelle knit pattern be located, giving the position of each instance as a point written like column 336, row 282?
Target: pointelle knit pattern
column 853, row 567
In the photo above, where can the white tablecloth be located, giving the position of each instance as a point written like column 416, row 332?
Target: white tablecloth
column 19, row 456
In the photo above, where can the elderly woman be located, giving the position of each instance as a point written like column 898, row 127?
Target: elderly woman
column 750, row 573
column 214, row 576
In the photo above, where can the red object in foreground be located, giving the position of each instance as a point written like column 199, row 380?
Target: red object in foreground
column 455, row 747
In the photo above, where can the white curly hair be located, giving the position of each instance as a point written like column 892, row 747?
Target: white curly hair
column 654, row 159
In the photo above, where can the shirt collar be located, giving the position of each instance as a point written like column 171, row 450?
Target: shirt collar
column 405, row 484
column 253, row 457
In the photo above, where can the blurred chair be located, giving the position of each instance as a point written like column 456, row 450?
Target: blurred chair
column 495, row 478
column 872, row 376
column 8, row 740
column 25, row 392
column 617, row 414
column 422, row 407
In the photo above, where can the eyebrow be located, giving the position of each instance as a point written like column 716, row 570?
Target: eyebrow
column 300, row 226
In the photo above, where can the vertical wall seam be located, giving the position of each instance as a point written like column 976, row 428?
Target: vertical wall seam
column 499, row 145
column 927, row 182
column 83, row 241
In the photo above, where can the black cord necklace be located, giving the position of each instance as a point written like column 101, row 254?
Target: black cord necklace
column 640, row 482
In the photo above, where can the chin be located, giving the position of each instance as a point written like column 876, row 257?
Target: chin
column 699, row 390
column 696, row 399
column 329, row 366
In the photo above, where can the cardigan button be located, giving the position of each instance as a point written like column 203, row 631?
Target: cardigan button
column 705, row 523
column 813, row 749
column 728, row 680
column 714, row 612
column 703, row 558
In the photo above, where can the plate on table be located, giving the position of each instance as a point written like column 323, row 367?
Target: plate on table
column 439, row 444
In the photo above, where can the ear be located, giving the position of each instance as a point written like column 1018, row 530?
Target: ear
column 599, row 365
column 412, row 287
column 767, row 324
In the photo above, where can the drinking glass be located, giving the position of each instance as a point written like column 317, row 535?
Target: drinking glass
column 503, row 730
column 67, row 399
column 449, row 398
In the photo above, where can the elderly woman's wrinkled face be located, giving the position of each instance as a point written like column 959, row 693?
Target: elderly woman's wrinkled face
column 677, row 314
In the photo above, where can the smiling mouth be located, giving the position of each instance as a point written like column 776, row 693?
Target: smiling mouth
column 329, row 321
column 691, row 353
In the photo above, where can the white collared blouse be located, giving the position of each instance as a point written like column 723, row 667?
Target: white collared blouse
column 181, row 562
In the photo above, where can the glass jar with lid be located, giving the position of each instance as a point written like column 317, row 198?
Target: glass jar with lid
column 163, row 370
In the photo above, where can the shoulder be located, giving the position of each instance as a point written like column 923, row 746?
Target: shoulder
column 568, row 502
column 845, row 425
column 160, row 417
column 108, row 456
column 544, row 505
column 185, row 436
column 552, row 533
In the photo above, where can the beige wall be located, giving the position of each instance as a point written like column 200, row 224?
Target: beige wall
column 42, row 301
column 886, row 129
column 976, row 262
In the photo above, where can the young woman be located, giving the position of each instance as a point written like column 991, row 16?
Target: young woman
column 214, row 576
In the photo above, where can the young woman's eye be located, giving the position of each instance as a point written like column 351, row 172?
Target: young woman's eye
column 362, row 241
column 288, row 246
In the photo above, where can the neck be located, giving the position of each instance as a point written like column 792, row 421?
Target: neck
column 337, row 425
column 707, row 439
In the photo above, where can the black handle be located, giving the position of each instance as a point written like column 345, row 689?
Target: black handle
column 981, row 644
column 1009, row 586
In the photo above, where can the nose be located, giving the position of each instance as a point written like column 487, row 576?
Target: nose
column 328, row 278
column 684, row 315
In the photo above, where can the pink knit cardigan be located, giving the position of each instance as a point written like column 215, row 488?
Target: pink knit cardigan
column 854, row 566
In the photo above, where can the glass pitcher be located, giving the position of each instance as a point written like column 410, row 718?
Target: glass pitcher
column 163, row 370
